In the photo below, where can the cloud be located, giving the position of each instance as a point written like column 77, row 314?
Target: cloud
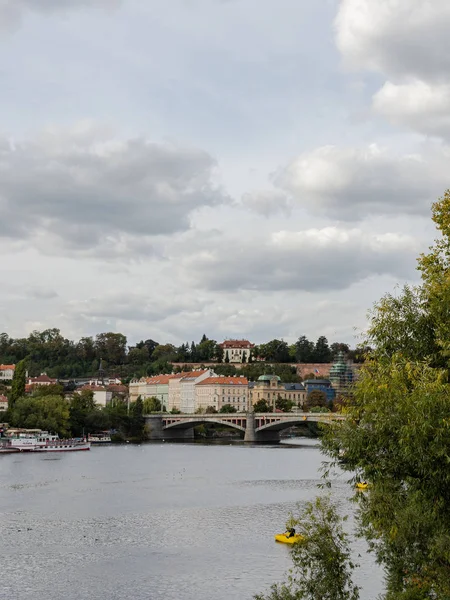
column 81, row 189
column 400, row 38
column 11, row 11
column 267, row 202
column 417, row 105
column 314, row 260
column 353, row 183
column 407, row 42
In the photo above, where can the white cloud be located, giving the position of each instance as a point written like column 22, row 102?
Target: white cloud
column 81, row 190
column 418, row 105
column 396, row 37
column 314, row 260
column 407, row 42
column 352, row 183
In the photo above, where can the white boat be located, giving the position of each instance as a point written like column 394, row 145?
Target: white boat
column 100, row 438
column 43, row 442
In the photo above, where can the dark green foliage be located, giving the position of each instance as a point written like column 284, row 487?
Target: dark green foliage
column 227, row 408
column 137, row 421
column 152, row 405
column 284, row 405
column 50, row 413
column 18, row 383
column 262, row 406
column 315, row 398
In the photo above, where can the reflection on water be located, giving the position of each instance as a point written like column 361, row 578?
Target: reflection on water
column 159, row 521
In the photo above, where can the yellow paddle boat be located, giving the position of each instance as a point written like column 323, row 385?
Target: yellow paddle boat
column 362, row 485
column 288, row 537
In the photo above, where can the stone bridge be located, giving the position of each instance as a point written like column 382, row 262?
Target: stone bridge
column 257, row 427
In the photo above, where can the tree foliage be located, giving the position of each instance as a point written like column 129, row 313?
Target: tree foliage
column 227, row 408
column 18, row 383
column 322, row 566
column 397, row 434
column 50, row 413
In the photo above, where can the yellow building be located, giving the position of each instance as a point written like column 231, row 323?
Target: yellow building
column 270, row 388
column 217, row 391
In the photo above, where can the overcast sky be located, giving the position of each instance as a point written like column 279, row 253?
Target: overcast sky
column 240, row 168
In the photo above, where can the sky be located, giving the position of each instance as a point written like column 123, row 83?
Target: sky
column 241, row 168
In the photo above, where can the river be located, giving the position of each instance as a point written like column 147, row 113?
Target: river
column 157, row 521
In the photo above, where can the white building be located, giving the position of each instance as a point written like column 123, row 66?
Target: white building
column 7, row 372
column 237, row 351
column 187, row 389
column 102, row 396
column 217, row 391
column 151, row 387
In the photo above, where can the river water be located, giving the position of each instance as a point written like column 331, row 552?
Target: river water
column 157, row 521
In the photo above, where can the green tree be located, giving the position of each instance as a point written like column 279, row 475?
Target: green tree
column 322, row 566
column 304, row 350
column 18, row 383
column 284, row 404
column 315, row 398
column 227, row 408
column 262, row 406
column 322, row 352
column 152, row 405
column 137, row 421
column 397, row 434
column 50, row 413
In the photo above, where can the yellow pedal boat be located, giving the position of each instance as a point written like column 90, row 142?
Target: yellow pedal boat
column 284, row 539
column 362, row 485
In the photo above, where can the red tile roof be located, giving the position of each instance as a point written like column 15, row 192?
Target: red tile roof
column 116, row 387
column 42, row 378
column 224, row 381
column 237, row 344
column 160, row 379
column 7, row 367
column 3, row 398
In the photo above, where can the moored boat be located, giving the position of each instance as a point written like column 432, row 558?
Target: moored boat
column 99, row 438
column 42, row 442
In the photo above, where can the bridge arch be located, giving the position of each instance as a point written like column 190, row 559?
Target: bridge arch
column 191, row 423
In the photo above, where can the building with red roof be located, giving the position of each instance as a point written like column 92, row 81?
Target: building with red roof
column 217, row 391
column 237, row 351
column 7, row 372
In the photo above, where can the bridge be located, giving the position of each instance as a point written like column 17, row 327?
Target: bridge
column 257, row 427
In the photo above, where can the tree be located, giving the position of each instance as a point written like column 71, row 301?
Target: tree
column 18, row 383
column 262, row 406
column 315, row 398
column 397, row 431
column 322, row 566
column 283, row 404
column 227, row 358
column 152, row 405
column 275, row 351
column 50, row 413
column 322, row 352
column 227, row 408
column 210, row 410
column 137, row 421
column 304, row 349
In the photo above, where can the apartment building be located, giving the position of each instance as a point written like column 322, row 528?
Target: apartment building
column 7, row 372
column 217, row 391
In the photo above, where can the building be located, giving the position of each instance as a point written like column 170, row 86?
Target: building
column 342, row 375
column 187, row 389
column 7, row 372
column 217, row 391
column 237, row 351
column 270, row 388
column 3, row 403
column 102, row 396
column 152, row 387
column 323, row 385
column 42, row 379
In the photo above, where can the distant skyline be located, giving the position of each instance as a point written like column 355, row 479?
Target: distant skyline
column 241, row 168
